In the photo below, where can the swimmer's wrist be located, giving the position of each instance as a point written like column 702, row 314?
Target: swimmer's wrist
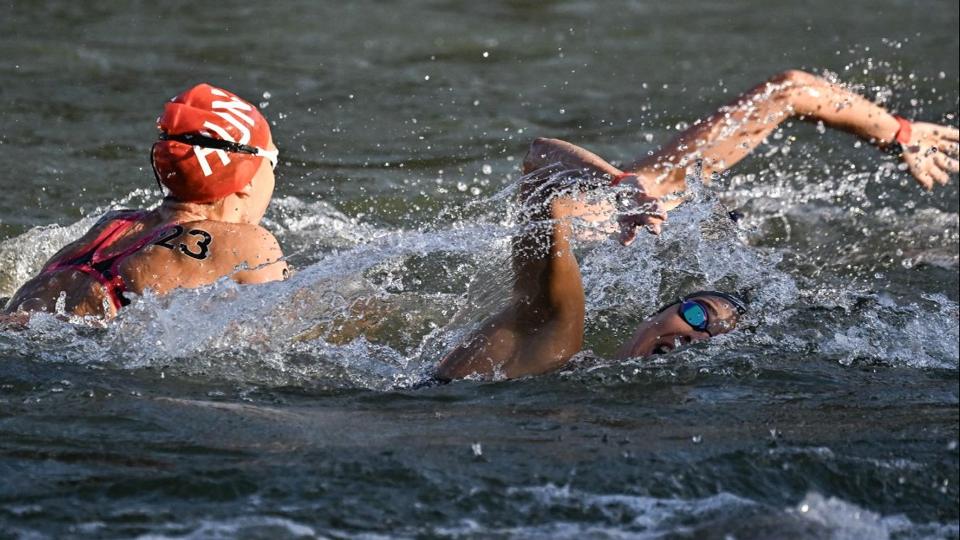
column 620, row 178
column 896, row 133
column 904, row 130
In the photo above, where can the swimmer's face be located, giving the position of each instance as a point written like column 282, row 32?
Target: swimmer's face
column 667, row 329
column 261, row 190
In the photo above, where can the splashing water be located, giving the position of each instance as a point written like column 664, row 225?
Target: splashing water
column 377, row 307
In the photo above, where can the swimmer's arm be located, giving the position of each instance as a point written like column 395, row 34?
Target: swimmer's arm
column 542, row 326
column 553, row 155
column 544, row 152
column 263, row 260
column 732, row 132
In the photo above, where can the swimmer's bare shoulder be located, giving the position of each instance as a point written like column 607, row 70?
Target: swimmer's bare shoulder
column 198, row 253
column 246, row 252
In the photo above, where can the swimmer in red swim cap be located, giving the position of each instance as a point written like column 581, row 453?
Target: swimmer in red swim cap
column 215, row 157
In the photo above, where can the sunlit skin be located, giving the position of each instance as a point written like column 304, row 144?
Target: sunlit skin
column 724, row 138
column 241, row 249
column 542, row 326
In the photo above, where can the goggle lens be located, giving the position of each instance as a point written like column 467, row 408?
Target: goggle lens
column 694, row 314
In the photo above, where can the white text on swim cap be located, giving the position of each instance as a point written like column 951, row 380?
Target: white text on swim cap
column 232, row 112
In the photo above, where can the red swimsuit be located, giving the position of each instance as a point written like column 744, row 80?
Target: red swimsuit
column 90, row 260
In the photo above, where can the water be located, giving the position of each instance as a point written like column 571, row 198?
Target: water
column 286, row 410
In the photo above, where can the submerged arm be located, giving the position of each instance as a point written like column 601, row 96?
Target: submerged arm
column 542, row 326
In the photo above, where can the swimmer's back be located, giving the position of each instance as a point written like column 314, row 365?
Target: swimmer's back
column 151, row 254
column 197, row 253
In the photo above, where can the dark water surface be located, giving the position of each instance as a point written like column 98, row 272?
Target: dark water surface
column 279, row 412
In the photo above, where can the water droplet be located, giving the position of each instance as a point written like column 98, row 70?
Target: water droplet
column 697, row 439
column 477, row 449
column 487, row 169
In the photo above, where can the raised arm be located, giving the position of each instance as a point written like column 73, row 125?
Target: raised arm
column 727, row 136
column 592, row 172
column 542, row 326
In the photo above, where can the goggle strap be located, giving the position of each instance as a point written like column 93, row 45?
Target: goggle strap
column 195, row 139
column 735, row 301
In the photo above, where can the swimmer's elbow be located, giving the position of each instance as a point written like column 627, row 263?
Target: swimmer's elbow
column 794, row 77
column 536, row 157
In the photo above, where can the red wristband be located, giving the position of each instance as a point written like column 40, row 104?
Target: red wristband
column 619, row 178
column 903, row 133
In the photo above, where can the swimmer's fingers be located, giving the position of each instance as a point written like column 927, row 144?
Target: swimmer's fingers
column 650, row 214
column 931, row 153
column 939, row 176
column 946, row 163
column 950, row 133
column 949, row 148
column 918, row 169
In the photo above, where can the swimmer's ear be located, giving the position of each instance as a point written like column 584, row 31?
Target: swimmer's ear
column 247, row 189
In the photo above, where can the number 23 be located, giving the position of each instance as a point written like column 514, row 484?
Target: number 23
column 202, row 246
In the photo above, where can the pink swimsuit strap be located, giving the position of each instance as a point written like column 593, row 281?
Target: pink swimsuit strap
column 89, row 257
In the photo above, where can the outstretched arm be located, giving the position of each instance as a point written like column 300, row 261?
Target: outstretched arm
column 731, row 133
column 542, row 326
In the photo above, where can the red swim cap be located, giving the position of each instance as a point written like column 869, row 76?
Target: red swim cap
column 197, row 172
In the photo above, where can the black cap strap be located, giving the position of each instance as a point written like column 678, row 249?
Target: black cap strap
column 195, row 139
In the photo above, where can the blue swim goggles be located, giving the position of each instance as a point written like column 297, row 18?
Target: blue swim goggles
column 695, row 314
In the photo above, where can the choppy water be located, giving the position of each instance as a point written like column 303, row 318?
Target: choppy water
column 285, row 410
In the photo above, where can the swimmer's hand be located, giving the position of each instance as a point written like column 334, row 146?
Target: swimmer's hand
column 931, row 154
column 642, row 210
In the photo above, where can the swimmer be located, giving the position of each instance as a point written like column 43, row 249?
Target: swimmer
column 928, row 150
column 215, row 157
column 542, row 326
